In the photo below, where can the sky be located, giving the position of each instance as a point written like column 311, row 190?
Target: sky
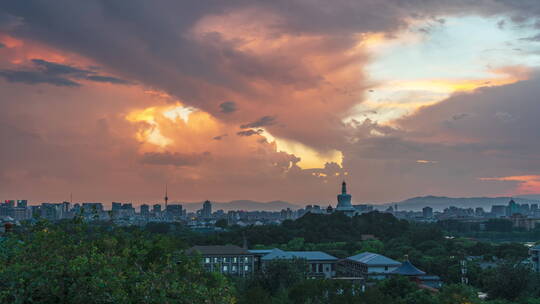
column 111, row 100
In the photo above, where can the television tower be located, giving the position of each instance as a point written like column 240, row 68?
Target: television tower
column 166, row 198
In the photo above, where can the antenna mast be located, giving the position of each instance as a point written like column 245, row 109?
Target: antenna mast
column 166, row 198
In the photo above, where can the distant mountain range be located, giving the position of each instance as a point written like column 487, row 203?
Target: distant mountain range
column 441, row 202
column 246, row 205
column 415, row 203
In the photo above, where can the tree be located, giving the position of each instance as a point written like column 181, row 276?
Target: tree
column 281, row 274
column 79, row 264
column 458, row 294
column 507, row 281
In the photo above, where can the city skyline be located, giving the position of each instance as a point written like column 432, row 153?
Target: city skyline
column 260, row 101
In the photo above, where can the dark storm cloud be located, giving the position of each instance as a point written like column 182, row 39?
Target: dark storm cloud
column 56, row 74
column 52, row 68
column 107, row 79
column 250, row 132
column 159, row 46
column 175, row 159
column 156, row 45
column 36, row 77
column 228, row 107
column 261, row 122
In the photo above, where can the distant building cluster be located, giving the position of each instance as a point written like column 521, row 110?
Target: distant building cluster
column 525, row 216
column 206, row 219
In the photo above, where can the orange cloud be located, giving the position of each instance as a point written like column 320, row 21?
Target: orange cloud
column 526, row 184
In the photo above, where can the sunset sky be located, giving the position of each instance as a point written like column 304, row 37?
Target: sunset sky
column 268, row 100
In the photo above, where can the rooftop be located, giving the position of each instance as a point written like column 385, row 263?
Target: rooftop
column 313, row 255
column 260, row 251
column 374, row 259
column 277, row 254
column 408, row 269
column 308, row 255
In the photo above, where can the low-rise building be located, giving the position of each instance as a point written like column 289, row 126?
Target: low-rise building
column 368, row 265
column 228, row 259
column 320, row 264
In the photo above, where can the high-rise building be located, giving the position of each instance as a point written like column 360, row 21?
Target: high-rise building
column 513, row 208
column 498, row 210
column 145, row 210
column 65, row 207
column 206, row 211
column 90, row 208
column 174, row 210
column 116, row 206
column 427, row 212
column 157, row 209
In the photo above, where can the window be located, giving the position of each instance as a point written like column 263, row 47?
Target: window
column 235, row 260
column 320, row 267
column 246, row 268
column 207, row 260
column 246, row 259
column 225, row 268
column 216, row 260
column 385, row 268
column 234, row 269
column 226, row 260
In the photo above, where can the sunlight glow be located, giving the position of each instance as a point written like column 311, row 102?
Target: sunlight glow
column 152, row 133
column 309, row 157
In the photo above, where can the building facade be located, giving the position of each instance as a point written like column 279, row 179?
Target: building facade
column 228, row 259
column 320, row 264
column 368, row 265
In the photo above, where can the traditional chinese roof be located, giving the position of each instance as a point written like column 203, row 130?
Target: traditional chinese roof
column 408, row 269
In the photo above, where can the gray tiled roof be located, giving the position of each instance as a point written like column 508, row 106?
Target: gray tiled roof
column 313, row 255
column 308, row 255
column 260, row 251
column 374, row 259
column 277, row 254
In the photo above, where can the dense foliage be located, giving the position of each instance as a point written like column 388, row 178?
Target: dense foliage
column 73, row 262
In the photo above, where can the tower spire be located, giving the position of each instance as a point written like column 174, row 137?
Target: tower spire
column 166, row 198
column 344, row 188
